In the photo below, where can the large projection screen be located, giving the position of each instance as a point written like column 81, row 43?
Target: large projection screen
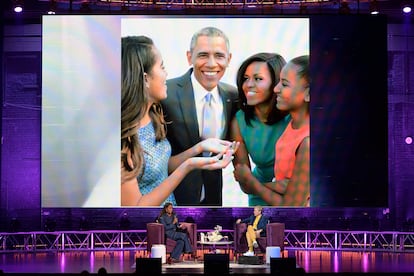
column 348, row 109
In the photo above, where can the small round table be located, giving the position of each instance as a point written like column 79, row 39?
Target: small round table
column 214, row 244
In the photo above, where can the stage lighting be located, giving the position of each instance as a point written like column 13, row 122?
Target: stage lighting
column 85, row 8
column 124, row 8
column 14, row 225
column 83, row 224
column 345, row 223
column 408, row 225
column 50, row 225
column 18, row 6
column 376, row 224
column 124, row 222
column 303, row 9
column 344, row 8
column 304, row 223
column 373, row 7
column 52, row 7
column 406, row 7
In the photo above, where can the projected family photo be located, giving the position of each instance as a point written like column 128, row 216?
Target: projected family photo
column 237, row 63
column 185, row 148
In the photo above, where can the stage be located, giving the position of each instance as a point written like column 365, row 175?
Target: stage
column 123, row 262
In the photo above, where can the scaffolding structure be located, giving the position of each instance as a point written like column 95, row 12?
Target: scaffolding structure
column 137, row 240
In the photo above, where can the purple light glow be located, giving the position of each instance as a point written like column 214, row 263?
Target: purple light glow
column 408, row 140
column 62, row 262
column 92, row 261
column 365, row 262
column 121, row 258
column 307, row 261
column 336, row 262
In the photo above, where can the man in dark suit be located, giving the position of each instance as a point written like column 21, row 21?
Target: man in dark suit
column 209, row 56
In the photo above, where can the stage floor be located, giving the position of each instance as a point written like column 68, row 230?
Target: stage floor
column 123, row 262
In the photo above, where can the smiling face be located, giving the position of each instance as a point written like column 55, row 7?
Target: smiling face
column 257, row 83
column 210, row 58
column 156, row 79
column 257, row 211
column 169, row 209
column 292, row 91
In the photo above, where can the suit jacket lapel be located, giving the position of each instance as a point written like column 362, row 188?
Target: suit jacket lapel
column 187, row 106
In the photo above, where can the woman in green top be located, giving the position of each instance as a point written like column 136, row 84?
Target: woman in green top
column 258, row 124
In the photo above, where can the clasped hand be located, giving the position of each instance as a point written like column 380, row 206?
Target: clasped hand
column 224, row 150
column 216, row 145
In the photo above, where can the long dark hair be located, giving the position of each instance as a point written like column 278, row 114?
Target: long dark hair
column 146, row 53
column 164, row 208
column 134, row 102
column 303, row 63
column 303, row 72
column 137, row 58
column 275, row 63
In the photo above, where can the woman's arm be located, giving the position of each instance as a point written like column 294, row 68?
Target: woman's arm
column 209, row 145
column 167, row 225
column 131, row 195
column 243, row 174
column 278, row 186
column 296, row 189
column 241, row 157
column 293, row 191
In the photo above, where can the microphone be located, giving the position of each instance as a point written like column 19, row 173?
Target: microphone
column 175, row 217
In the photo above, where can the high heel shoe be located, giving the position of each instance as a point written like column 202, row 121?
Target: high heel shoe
column 193, row 255
column 172, row 260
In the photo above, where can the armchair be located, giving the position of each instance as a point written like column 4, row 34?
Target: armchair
column 156, row 235
column 275, row 236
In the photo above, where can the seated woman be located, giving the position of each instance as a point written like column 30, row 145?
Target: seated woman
column 256, row 227
column 173, row 230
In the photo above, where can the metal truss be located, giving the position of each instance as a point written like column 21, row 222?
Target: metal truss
column 349, row 240
column 137, row 240
column 74, row 240
column 132, row 3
